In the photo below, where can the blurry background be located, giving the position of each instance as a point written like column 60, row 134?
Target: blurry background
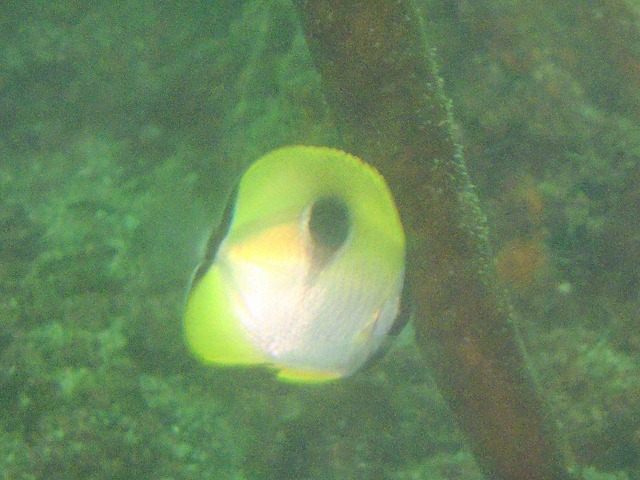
column 122, row 127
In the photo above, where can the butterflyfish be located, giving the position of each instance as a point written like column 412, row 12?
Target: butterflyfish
column 305, row 275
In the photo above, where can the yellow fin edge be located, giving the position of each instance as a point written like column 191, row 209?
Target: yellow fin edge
column 212, row 330
column 306, row 376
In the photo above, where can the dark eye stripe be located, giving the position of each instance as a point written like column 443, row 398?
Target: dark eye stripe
column 329, row 222
column 216, row 237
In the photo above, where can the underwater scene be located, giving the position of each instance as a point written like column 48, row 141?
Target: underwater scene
column 197, row 282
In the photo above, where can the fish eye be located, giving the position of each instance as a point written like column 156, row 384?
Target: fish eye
column 329, row 222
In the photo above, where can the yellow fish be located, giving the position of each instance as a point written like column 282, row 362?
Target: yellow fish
column 306, row 274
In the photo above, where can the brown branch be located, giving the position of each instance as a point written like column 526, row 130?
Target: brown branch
column 382, row 85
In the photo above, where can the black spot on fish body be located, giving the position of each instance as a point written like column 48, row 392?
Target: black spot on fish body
column 329, row 222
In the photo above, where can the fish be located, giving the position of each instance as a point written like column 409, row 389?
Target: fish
column 305, row 273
